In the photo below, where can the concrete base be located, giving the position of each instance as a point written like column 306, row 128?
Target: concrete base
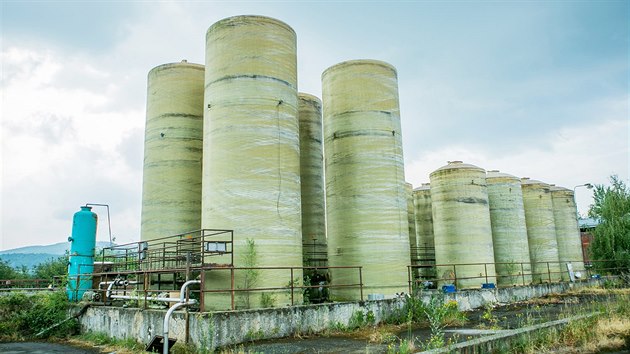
column 218, row 329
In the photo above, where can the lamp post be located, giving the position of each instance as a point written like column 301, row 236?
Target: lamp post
column 577, row 216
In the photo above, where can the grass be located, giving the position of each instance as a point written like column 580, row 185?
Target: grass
column 607, row 331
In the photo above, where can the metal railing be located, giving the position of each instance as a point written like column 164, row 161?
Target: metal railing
column 30, row 284
column 518, row 277
column 193, row 249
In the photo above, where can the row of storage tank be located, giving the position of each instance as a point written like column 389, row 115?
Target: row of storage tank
column 515, row 231
column 232, row 145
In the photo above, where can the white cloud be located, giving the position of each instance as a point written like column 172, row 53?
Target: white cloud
column 60, row 147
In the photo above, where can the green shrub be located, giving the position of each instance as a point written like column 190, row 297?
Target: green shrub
column 23, row 316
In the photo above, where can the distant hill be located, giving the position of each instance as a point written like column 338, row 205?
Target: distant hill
column 58, row 249
column 30, row 260
column 31, row 256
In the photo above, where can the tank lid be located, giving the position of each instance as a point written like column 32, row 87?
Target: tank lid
column 360, row 62
column 458, row 165
column 528, row 181
column 309, row 97
column 492, row 174
column 86, row 208
column 555, row 188
column 180, row 65
column 423, row 187
column 244, row 19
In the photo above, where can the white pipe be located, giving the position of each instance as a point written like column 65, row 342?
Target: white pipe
column 116, row 281
column 140, row 298
column 182, row 303
column 182, row 291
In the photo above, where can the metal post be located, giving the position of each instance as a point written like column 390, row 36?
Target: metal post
column 232, row 285
column 145, row 286
column 454, row 275
column 523, row 273
column 361, row 282
column 485, row 269
column 291, row 283
column 409, row 278
column 549, row 272
column 201, row 289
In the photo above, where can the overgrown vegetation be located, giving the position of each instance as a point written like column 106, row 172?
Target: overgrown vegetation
column 251, row 275
column 23, row 316
column 607, row 331
column 612, row 236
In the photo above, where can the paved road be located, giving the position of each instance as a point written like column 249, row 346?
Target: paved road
column 42, row 348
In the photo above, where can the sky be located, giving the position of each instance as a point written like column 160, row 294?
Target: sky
column 536, row 89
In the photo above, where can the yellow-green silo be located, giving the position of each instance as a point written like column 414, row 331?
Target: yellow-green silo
column 312, row 180
column 461, row 225
column 567, row 232
column 424, row 231
column 541, row 231
column 411, row 219
column 251, row 161
column 171, row 186
column 366, row 202
column 509, row 232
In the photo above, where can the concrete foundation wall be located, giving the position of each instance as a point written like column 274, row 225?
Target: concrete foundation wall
column 212, row 330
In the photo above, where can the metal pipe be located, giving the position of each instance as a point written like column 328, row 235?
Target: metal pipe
column 182, row 303
column 109, row 223
column 116, row 281
column 165, row 327
column 182, row 292
column 139, row 298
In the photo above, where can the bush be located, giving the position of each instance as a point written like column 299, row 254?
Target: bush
column 23, row 316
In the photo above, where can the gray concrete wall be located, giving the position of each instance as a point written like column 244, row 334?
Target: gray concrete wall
column 217, row 329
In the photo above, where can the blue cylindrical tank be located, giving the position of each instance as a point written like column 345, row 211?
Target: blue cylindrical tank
column 81, row 262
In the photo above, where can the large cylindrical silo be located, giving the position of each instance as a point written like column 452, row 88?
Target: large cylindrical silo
column 461, row 225
column 509, row 232
column 312, row 180
column 171, row 186
column 541, row 231
column 424, row 231
column 567, row 232
column 366, row 203
column 251, row 160
column 411, row 219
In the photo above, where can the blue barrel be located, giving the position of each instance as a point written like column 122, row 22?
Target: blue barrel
column 81, row 263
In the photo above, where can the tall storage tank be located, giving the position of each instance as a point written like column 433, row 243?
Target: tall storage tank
column 509, row 232
column 461, row 225
column 567, row 232
column 81, row 260
column 366, row 203
column 424, row 231
column 411, row 219
column 541, row 231
column 171, row 186
column 312, row 180
column 251, row 161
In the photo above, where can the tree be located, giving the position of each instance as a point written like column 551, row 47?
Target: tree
column 6, row 271
column 612, row 235
column 51, row 268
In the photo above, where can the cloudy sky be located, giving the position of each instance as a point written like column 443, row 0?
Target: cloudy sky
column 532, row 88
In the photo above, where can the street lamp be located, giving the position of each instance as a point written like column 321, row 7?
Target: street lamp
column 588, row 186
column 577, row 216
